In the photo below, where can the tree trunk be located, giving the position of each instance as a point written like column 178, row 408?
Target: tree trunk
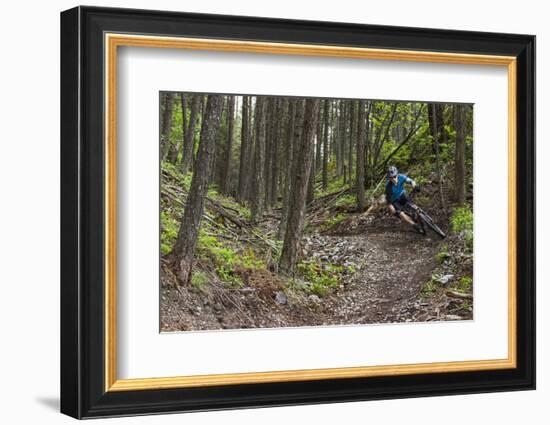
column 289, row 158
column 258, row 182
column 360, row 158
column 436, row 122
column 311, row 182
column 316, row 163
column 319, row 139
column 275, row 132
column 189, row 141
column 296, row 143
column 352, row 137
column 249, row 166
column 184, row 248
column 460, row 154
column 437, row 159
column 325, row 144
column 245, row 151
column 269, row 117
column 302, row 168
column 367, row 145
column 340, row 141
column 226, row 180
column 166, row 125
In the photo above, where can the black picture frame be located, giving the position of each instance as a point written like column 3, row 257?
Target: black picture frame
column 82, row 219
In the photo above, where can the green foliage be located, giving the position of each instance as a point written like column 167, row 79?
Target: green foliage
column 169, row 232
column 335, row 183
column 346, row 201
column 230, row 203
column 227, row 262
column 321, row 277
column 421, row 179
column 428, row 288
column 176, row 133
column 213, row 192
column 443, row 254
column 227, row 274
column 465, row 284
column 462, row 222
column 199, row 280
column 182, row 180
column 333, row 221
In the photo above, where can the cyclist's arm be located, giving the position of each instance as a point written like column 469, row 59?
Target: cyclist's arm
column 411, row 182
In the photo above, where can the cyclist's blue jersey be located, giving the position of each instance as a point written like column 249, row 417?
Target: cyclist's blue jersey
column 394, row 191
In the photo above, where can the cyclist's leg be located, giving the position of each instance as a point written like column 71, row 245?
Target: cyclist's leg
column 406, row 218
column 400, row 203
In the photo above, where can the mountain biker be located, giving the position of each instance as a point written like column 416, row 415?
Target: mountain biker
column 397, row 198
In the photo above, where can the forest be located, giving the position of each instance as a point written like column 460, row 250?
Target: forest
column 273, row 211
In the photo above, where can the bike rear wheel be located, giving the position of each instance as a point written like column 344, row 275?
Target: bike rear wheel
column 431, row 224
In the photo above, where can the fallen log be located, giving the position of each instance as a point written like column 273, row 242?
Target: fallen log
column 455, row 294
column 221, row 210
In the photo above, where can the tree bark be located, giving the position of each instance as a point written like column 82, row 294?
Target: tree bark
column 460, row 154
column 275, row 134
column 269, row 118
column 258, row 191
column 437, row 159
column 189, row 141
column 310, row 194
column 245, row 151
column 352, row 136
column 166, row 125
column 367, row 144
column 340, row 141
column 436, row 122
column 289, row 158
column 184, row 248
column 325, row 144
column 360, row 158
column 319, row 139
column 249, row 166
column 302, row 168
column 226, row 180
column 296, row 143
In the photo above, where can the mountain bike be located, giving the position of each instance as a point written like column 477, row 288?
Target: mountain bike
column 421, row 217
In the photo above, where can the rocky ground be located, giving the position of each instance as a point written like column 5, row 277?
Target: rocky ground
column 395, row 275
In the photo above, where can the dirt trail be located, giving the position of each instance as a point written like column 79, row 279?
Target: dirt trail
column 392, row 263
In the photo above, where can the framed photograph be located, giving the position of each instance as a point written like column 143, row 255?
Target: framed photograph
column 261, row 212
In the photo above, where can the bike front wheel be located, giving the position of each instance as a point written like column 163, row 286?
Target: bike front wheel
column 431, row 224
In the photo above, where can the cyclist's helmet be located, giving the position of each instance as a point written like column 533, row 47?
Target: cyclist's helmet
column 392, row 172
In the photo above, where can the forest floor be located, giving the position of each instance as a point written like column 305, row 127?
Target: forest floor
column 386, row 273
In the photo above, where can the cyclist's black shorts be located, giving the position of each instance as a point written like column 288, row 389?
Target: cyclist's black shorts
column 401, row 202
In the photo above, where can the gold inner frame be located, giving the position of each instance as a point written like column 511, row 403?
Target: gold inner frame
column 113, row 41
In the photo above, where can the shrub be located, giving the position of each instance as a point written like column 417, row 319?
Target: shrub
column 228, row 263
column 199, row 279
column 183, row 180
column 346, row 201
column 321, row 279
column 443, row 254
column 333, row 221
column 462, row 222
column 465, row 283
column 428, row 288
column 335, row 183
column 169, row 232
